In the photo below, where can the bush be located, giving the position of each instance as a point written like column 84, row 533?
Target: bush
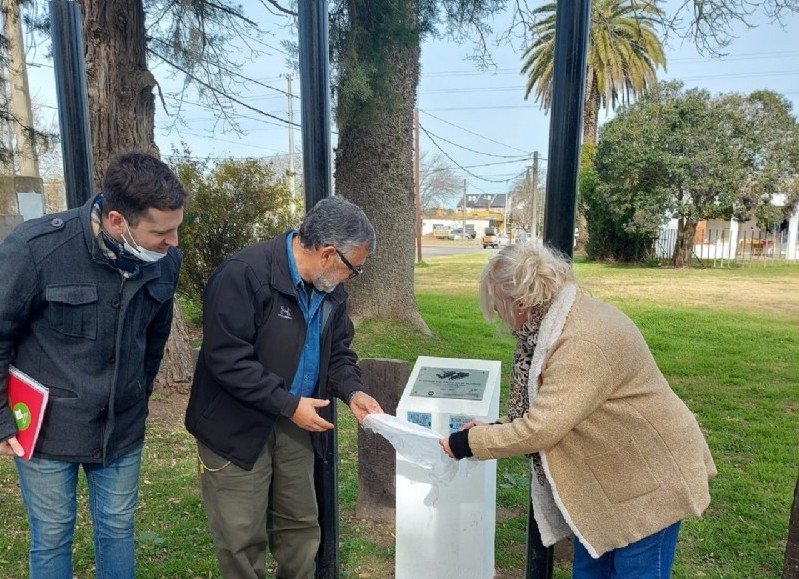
column 234, row 204
column 609, row 238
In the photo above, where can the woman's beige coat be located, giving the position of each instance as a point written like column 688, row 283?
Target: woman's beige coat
column 624, row 455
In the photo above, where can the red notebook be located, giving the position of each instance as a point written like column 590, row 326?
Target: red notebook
column 28, row 401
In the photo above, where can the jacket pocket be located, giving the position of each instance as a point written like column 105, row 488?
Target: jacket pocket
column 158, row 293
column 623, row 473
column 72, row 309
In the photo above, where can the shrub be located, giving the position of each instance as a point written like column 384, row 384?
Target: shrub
column 235, row 203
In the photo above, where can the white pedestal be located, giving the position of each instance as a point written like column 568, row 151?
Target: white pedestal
column 454, row 536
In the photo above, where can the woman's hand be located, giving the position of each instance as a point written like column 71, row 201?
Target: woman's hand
column 462, row 444
column 444, row 442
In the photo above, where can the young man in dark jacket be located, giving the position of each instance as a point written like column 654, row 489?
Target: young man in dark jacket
column 276, row 346
column 85, row 309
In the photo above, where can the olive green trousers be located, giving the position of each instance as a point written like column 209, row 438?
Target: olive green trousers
column 273, row 504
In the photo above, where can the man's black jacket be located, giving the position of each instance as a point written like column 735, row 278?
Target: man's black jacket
column 253, row 335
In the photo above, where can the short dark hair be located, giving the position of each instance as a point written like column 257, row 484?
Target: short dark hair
column 135, row 182
column 337, row 222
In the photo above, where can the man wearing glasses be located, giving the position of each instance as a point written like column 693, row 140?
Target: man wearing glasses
column 276, row 346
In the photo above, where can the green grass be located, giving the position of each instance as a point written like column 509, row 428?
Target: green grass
column 732, row 355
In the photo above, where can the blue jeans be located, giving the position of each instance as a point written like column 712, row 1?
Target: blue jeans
column 649, row 558
column 49, row 492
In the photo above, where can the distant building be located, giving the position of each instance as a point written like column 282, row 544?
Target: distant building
column 718, row 239
column 485, row 202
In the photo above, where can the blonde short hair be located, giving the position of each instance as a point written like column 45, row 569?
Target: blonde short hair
column 525, row 274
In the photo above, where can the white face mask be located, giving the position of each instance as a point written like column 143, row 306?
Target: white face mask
column 139, row 252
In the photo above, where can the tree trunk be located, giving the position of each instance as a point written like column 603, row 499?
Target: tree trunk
column 120, row 87
column 791, row 566
column 122, row 118
column 590, row 123
column 591, row 112
column 374, row 169
column 684, row 247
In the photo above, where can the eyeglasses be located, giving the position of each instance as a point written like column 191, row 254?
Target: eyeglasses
column 354, row 271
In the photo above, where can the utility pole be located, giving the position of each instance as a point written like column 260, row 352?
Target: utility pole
column 9, row 204
column 463, row 211
column 20, row 94
column 21, row 195
column 534, row 186
column 507, row 214
column 417, row 184
column 291, row 147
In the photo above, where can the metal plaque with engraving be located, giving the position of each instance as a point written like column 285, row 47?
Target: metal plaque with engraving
column 465, row 384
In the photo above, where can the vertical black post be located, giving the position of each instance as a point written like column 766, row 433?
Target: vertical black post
column 316, row 152
column 315, row 99
column 572, row 22
column 66, row 30
column 565, row 129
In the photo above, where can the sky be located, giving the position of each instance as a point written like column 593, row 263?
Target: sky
column 477, row 118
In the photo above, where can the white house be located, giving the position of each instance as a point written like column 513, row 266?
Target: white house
column 718, row 239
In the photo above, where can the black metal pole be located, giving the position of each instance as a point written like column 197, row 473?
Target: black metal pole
column 316, row 159
column 565, row 129
column 315, row 99
column 66, row 30
column 572, row 22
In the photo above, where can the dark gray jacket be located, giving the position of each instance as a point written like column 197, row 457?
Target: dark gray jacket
column 70, row 320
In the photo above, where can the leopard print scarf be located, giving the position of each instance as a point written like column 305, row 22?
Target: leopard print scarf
column 519, row 398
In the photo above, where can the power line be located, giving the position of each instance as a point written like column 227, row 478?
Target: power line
column 515, row 157
column 461, row 167
column 228, row 71
column 687, row 60
column 471, row 132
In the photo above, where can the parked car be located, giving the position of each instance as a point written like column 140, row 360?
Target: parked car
column 490, row 238
column 458, row 233
column 502, row 240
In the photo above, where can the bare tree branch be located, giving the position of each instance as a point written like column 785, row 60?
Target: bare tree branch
column 278, row 7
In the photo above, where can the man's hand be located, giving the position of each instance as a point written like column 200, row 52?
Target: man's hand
column 363, row 404
column 306, row 417
column 11, row 447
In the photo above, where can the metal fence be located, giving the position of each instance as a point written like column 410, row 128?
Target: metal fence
column 718, row 248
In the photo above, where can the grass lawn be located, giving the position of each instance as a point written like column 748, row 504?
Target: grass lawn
column 726, row 340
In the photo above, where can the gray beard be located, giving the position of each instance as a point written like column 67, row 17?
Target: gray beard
column 322, row 284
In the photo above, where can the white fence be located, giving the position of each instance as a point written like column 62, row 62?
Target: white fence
column 719, row 246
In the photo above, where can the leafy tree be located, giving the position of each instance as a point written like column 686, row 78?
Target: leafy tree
column 683, row 154
column 234, row 204
column 624, row 53
column 439, row 185
column 608, row 237
column 376, row 48
column 770, row 143
column 122, row 103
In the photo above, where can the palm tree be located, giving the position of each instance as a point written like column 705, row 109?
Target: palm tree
column 623, row 54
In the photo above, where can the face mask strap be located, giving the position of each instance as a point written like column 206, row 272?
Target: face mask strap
column 139, row 251
column 135, row 243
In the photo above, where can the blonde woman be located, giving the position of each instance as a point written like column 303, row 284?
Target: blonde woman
column 618, row 459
